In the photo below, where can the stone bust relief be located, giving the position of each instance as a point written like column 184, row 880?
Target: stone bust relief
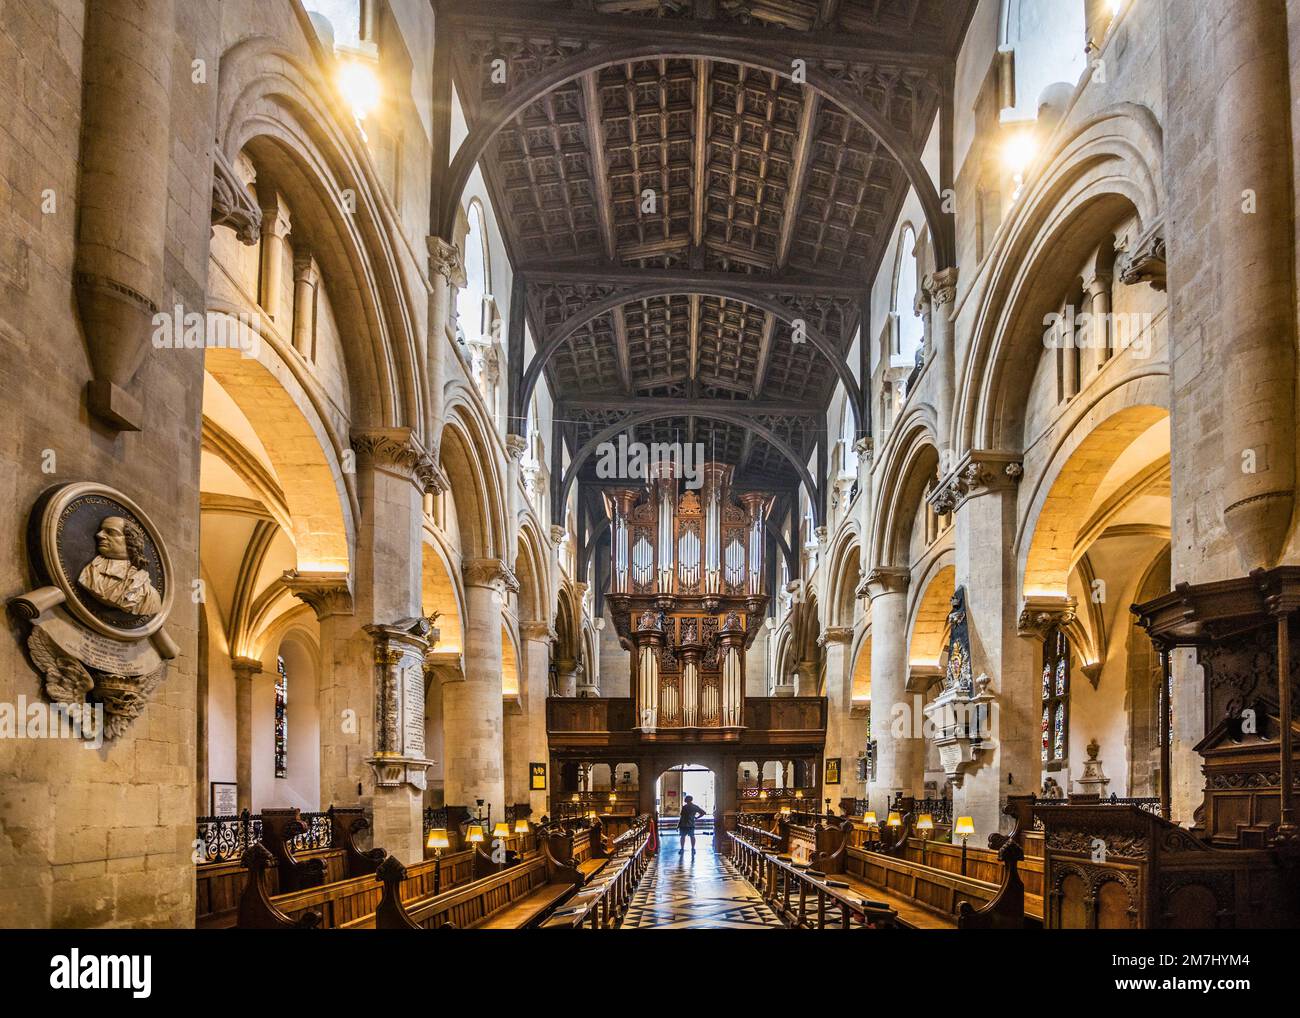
column 117, row 574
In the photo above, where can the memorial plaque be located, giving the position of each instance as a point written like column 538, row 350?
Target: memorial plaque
column 105, row 589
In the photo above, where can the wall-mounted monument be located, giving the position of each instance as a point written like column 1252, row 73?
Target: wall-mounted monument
column 104, row 588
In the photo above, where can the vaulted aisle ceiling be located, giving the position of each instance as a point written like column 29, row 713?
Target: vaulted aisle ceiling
column 659, row 160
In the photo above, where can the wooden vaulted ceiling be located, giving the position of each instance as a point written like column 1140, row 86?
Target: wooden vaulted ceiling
column 754, row 177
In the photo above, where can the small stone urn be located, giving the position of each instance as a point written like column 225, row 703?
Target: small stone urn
column 1092, row 780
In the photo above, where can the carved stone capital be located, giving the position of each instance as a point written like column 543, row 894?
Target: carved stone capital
column 397, row 450
column 941, row 286
column 232, row 205
column 446, row 260
column 540, row 632
column 882, row 580
column 836, row 634
column 1144, row 262
column 516, row 446
column 557, row 534
column 325, row 593
column 245, row 667
column 489, row 572
column 980, row 472
column 1040, row 613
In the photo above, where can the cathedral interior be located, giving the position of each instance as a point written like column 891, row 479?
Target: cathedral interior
column 628, row 464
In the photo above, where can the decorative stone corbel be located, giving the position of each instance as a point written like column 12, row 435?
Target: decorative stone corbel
column 232, row 205
column 1145, row 262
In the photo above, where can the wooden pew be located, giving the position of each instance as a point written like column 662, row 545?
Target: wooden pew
column 219, row 886
column 339, row 903
column 806, row 898
column 602, row 902
column 1007, row 909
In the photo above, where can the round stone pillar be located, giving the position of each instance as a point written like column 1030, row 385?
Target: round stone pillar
column 895, row 722
column 472, row 714
column 1256, row 260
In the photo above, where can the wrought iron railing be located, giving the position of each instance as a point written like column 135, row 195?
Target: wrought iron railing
column 940, row 810
column 226, row 838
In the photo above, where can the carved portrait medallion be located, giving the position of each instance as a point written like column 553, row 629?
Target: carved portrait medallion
column 104, row 590
column 105, row 555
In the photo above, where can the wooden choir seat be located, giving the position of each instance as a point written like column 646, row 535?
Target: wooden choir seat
column 520, row 896
column 920, row 896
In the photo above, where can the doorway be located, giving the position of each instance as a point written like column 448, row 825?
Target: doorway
column 676, row 784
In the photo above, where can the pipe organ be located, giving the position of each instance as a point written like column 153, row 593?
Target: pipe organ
column 686, row 594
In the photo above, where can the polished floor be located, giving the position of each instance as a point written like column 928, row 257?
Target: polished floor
column 695, row 891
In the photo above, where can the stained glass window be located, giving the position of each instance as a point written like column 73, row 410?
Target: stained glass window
column 1056, row 696
column 281, row 719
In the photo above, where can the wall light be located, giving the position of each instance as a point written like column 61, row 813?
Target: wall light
column 1018, row 151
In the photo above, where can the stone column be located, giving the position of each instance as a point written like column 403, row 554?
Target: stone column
column 1256, row 258
column 1097, row 290
column 472, row 711
column 446, row 272
column 245, row 669
column 942, row 288
column 837, row 643
column 329, row 595
column 271, row 266
column 900, row 751
column 305, row 281
column 982, row 496
column 393, row 473
column 537, row 638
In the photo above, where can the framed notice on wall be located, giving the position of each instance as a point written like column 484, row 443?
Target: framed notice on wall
column 537, row 777
column 832, row 771
column 224, row 798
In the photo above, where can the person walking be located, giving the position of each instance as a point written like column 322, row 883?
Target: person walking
column 686, row 824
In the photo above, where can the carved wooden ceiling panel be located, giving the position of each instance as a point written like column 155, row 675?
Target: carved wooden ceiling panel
column 686, row 164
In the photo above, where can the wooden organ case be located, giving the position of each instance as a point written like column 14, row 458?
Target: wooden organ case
column 686, row 595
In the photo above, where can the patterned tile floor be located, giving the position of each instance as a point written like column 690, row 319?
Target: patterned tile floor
column 700, row 891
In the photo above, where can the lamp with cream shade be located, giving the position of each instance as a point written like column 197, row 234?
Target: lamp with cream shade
column 964, row 828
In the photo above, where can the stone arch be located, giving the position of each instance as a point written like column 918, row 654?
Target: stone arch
column 442, row 594
column 1107, row 169
column 269, row 106
column 466, row 454
column 722, row 414
column 845, row 575
column 1060, row 502
column 913, row 463
column 929, row 615
column 534, row 599
column 556, row 339
column 821, row 80
column 302, row 449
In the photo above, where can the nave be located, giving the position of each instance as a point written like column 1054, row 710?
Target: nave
column 693, row 890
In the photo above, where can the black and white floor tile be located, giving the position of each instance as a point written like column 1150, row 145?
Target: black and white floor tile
column 698, row 890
